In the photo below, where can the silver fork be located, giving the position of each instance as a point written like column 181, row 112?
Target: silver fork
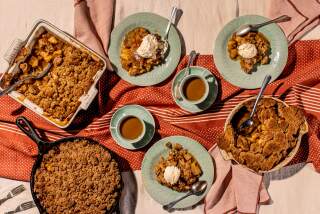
column 22, row 207
column 15, row 191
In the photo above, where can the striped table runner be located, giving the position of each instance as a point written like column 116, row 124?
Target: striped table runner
column 298, row 85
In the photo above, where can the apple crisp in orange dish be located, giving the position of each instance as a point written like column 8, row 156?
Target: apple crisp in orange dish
column 275, row 133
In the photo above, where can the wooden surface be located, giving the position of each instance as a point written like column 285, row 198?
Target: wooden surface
column 294, row 193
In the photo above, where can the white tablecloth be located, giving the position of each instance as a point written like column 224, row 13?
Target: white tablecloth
column 291, row 192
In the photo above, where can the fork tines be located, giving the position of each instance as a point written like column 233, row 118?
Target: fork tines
column 17, row 190
column 22, row 207
column 27, row 205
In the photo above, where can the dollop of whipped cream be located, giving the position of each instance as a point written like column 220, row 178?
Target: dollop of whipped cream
column 247, row 50
column 150, row 46
column 171, row 174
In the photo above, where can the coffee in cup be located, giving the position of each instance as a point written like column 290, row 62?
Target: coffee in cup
column 131, row 128
column 194, row 88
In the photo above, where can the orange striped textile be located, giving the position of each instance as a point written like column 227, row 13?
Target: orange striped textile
column 298, row 85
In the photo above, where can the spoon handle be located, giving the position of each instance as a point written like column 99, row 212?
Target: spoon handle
column 171, row 204
column 171, row 20
column 279, row 19
column 13, row 86
column 30, row 76
column 263, row 87
column 192, row 56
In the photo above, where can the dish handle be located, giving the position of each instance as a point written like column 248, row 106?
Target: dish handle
column 89, row 98
column 25, row 126
column 13, row 50
column 225, row 155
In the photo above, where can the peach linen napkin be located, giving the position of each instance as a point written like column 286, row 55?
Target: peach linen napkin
column 305, row 15
column 92, row 26
column 235, row 188
column 93, row 22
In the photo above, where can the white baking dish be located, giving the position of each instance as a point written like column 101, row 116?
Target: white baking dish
column 39, row 27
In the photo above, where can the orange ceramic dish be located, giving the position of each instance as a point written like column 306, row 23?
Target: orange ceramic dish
column 271, row 142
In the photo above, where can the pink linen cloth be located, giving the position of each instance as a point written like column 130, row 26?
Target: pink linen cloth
column 92, row 24
column 93, row 21
column 235, row 188
column 305, row 15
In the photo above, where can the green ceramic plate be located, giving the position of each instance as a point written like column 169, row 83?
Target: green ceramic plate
column 163, row 194
column 139, row 112
column 230, row 69
column 213, row 90
column 155, row 24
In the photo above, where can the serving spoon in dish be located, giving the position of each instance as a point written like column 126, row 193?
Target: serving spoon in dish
column 30, row 76
column 249, row 122
column 196, row 189
column 244, row 29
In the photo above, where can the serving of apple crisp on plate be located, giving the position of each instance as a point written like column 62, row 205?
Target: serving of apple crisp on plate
column 245, row 60
column 141, row 51
column 273, row 139
column 172, row 165
column 251, row 49
column 179, row 170
column 138, row 51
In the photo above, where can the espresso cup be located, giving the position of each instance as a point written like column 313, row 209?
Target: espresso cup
column 119, row 129
column 184, row 83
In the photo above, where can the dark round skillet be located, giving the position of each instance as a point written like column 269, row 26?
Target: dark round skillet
column 43, row 148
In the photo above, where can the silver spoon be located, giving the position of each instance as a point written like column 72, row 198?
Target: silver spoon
column 192, row 56
column 244, row 29
column 249, row 122
column 170, row 22
column 30, row 76
column 196, row 189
